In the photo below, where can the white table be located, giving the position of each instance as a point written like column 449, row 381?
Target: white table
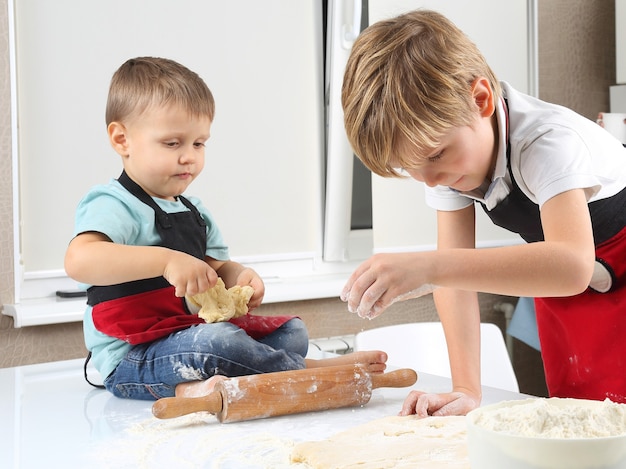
column 50, row 417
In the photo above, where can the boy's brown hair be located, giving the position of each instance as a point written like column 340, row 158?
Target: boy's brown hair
column 408, row 80
column 143, row 82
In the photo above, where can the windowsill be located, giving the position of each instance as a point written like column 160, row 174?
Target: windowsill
column 54, row 310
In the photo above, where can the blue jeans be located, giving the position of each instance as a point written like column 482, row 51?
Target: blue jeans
column 152, row 370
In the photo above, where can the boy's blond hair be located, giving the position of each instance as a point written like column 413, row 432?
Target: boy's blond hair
column 143, row 82
column 408, row 80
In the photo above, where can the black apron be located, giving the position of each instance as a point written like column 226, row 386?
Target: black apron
column 145, row 310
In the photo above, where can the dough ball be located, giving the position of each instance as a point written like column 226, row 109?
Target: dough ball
column 219, row 304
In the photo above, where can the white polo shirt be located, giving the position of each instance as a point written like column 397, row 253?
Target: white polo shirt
column 553, row 150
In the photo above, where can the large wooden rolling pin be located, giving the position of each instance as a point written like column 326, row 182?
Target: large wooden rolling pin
column 286, row 392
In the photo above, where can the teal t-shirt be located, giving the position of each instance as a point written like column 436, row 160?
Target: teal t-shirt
column 113, row 211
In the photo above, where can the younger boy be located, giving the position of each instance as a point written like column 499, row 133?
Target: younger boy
column 141, row 247
column 420, row 99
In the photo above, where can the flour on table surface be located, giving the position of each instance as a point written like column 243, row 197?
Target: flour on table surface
column 191, row 442
column 391, row 442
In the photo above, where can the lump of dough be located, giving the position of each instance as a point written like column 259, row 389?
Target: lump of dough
column 219, row 304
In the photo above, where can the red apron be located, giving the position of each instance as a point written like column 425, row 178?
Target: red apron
column 583, row 337
column 148, row 316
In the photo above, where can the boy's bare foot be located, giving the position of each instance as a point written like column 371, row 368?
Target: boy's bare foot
column 372, row 360
column 198, row 388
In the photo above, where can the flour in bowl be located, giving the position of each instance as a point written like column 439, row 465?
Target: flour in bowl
column 557, row 418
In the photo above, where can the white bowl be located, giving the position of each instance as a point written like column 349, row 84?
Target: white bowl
column 550, row 433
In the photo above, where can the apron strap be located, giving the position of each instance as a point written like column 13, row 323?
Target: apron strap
column 131, row 186
column 162, row 217
column 99, row 386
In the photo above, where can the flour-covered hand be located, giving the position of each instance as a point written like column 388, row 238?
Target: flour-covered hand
column 384, row 279
column 425, row 404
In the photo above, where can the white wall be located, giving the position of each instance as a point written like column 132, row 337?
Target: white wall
column 262, row 60
column 620, row 41
column 263, row 179
column 263, row 175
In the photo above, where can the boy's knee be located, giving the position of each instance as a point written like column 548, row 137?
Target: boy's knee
column 203, row 337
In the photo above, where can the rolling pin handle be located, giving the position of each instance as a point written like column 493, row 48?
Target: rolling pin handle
column 170, row 407
column 394, row 379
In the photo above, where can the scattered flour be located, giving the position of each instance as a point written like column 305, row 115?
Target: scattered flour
column 189, row 372
column 419, row 291
column 195, row 441
column 233, row 391
column 557, row 418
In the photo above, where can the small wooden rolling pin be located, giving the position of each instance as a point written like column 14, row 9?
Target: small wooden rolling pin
column 286, row 392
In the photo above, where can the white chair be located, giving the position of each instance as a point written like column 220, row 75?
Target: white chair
column 422, row 346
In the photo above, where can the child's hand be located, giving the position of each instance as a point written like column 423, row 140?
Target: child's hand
column 249, row 277
column 453, row 403
column 384, row 279
column 188, row 274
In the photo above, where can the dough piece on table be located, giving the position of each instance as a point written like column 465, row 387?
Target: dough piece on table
column 391, row 442
column 219, row 304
